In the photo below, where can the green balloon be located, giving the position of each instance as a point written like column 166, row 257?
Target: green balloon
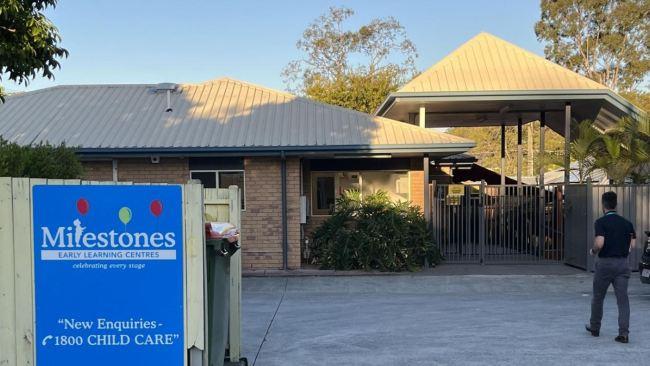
column 125, row 215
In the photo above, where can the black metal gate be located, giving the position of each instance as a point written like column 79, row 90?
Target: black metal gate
column 498, row 224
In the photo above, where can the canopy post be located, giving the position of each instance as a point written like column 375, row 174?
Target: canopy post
column 520, row 151
column 427, row 200
column 542, row 148
column 503, row 155
column 422, row 119
column 567, row 143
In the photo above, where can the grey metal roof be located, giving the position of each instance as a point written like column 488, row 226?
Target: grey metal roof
column 220, row 114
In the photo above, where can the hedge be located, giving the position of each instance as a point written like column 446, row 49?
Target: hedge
column 373, row 234
column 40, row 161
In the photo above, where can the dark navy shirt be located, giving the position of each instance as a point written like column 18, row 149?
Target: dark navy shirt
column 617, row 232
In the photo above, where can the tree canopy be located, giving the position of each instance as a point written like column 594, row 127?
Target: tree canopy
column 29, row 42
column 352, row 68
column 606, row 40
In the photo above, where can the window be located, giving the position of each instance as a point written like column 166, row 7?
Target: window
column 396, row 184
column 221, row 179
column 327, row 186
column 323, row 193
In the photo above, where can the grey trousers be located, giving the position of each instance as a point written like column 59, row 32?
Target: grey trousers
column 613, row 271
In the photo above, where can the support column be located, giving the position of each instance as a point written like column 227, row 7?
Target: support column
column 503, row 156
column 567, row 144
column 520, row 151
column 425, row 194
column 285, row 227
column 542, row 148
column 115, row 172
column 422, row 118
column 541, row 237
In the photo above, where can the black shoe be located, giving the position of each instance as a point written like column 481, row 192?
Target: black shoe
column 594, row 333
column 622, row 339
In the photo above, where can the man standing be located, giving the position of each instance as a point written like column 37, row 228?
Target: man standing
column 615, row 239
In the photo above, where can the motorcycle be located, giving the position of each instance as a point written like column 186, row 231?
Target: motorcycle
column 644, row 265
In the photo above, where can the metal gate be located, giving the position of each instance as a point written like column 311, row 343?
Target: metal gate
column 498, row 224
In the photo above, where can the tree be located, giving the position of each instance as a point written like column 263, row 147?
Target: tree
column 351, row 68
column 581, row 148
column 488, row 146
column 624, row 152
column 606, row 40
column 29, row 42
column 639, row 98
column 40, row 161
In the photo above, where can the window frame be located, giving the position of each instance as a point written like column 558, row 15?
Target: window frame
column 334, row 173
column 216, row 179
column 314, row 186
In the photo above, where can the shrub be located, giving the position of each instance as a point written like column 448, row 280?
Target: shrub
column 41, row 161
column 373, row 233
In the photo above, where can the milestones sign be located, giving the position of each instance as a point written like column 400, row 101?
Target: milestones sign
column 108, row 272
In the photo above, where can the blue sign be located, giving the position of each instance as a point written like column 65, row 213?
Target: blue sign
column 108, row 268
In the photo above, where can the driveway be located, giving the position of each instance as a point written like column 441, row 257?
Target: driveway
column 429, row 319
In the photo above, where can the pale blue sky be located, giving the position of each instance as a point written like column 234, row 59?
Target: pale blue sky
column 143, row 41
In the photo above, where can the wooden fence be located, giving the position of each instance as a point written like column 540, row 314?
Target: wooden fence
column 16, row 266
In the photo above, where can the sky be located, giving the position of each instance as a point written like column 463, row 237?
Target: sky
column 142, row 41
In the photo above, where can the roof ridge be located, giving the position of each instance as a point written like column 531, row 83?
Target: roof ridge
column 242, row 82
column 71, row 86
column 333, row 106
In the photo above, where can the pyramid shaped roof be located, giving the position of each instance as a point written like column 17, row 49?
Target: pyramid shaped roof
column 489, row 63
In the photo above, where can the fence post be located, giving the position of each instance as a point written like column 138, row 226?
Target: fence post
column 7, row 293
column 481, row 223
column 589, row 225
column 234, row 334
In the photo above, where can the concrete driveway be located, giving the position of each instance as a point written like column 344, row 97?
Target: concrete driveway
column 495, row 319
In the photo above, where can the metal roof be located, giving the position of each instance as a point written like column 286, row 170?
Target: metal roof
column 218, row 115
column 487, row 62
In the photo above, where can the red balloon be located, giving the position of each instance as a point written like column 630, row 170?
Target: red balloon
column 156, row 207
column 83, row 206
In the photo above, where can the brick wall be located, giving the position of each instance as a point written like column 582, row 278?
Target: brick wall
column 262, row 221
column 417, row 188
column 168, row 170
column 139, row 170
column 98, row 170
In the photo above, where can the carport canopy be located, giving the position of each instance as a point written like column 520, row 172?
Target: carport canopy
column 490, row 82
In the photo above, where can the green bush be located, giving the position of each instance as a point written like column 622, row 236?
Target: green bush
column 373, row 234
column 41, row 161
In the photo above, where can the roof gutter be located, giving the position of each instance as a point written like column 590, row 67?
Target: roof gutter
column 442, row 148
column 503, row 95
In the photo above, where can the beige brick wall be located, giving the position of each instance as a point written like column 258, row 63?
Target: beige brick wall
column 98, row 170
column 168, row 170
column 262, row 221
column 139, row 170
column 417, row 188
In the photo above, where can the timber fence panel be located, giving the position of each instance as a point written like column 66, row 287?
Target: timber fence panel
column 7, row 295
column 195, row 264
column 235, row 279
column 23, row 274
